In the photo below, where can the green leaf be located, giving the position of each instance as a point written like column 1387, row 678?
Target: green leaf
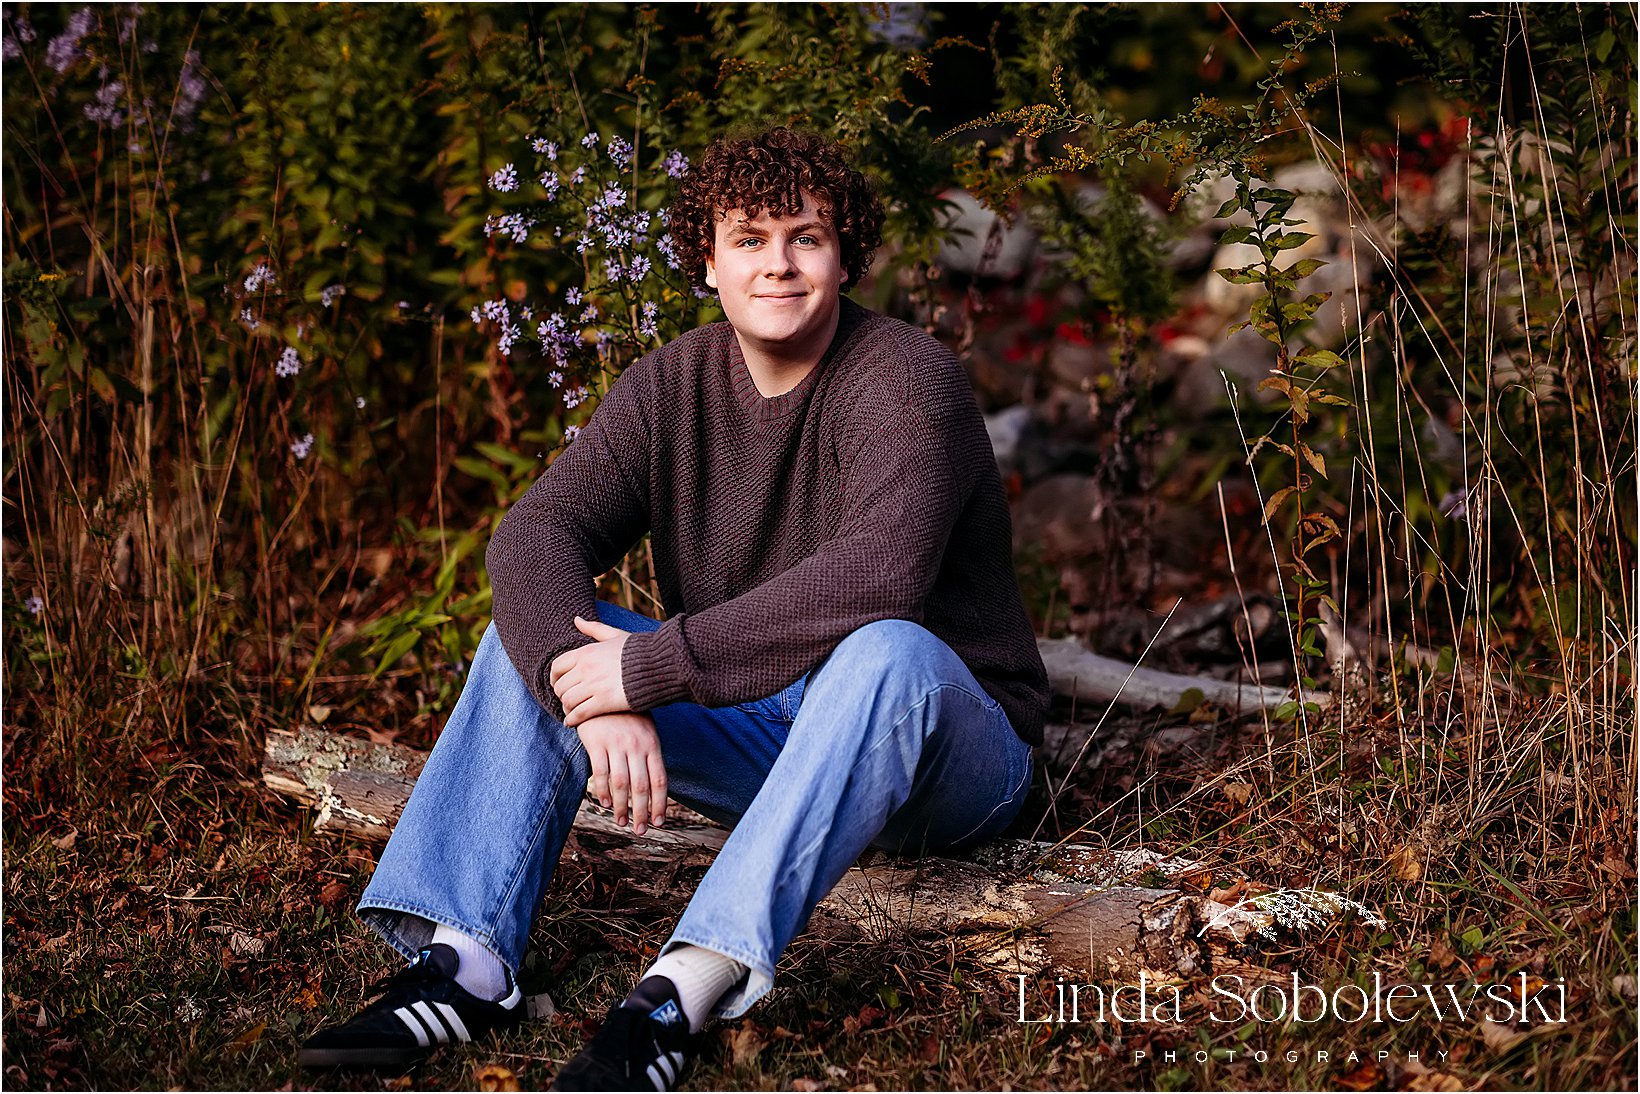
column 396, row 649
column 1239, row 233
column 1319, row 358
column 1286, row 241
column 1234, row 204
column 1304, row 267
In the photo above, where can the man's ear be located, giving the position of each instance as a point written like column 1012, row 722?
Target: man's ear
column 711, row 274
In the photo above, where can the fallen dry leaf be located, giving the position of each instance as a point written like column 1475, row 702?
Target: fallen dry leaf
column 1232, row 894
column 808, row 1084
column 333, row 893
column 1501, row 1037
column 318, row 713
column 1441, row 953
column 745, row 1043
column 403, row 1082
column 492, row 1077
column 1237, row 794
column 1367, row 1076
column 1404, row 864
column 64, row 843
column 248, row 1038
column 1435, row 1080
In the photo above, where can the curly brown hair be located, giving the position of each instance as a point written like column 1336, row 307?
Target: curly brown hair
column 768, row 172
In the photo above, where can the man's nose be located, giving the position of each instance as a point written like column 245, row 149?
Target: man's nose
column 779, row 262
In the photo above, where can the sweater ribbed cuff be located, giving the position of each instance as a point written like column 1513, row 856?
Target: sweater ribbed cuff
column 649, row 670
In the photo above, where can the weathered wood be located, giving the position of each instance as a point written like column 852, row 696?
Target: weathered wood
column 1018, row 906
column 1076, row 671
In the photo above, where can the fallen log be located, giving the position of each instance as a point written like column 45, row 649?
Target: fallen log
column 1075, row 671
column 1016, row 907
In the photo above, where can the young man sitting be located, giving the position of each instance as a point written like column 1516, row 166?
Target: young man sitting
column 845, row 662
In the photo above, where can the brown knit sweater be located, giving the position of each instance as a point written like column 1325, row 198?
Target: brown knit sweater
column 779, row 525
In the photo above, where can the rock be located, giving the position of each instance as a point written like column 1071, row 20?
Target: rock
column 1244, row 356
column 970, row 225
column 1060, row 517
column 1007, row 428
column 1075, row 365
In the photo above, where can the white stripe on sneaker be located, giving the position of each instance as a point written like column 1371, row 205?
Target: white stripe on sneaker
column 655, row 1078
column 454, row 1020
column 433, row 1024
column 413, row 1025
column 666, row 1068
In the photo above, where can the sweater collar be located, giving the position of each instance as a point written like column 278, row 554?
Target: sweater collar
column 849, row 317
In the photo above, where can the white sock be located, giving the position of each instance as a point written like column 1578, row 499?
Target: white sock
column 480, row 972
column 701, row 976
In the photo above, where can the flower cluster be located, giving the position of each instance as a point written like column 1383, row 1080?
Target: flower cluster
column 18, row 34
column 260, row 277
column 64, row 50
column 598, row 208
column 331, row 293
column 289, row 364
column 34, row 605
column 505, row 179
column 301, row 448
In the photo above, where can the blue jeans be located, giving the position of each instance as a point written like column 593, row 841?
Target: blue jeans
column 890, row 742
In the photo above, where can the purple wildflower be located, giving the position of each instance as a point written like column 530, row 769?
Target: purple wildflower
column 570, row 433
column 259, row 277
column 637, row 269
column 550, row 183
column 555, row 378
column 505, row 180
column 104, row 109
column 358, row 401
column 612, row 269
column 590, row 315
column 329, row 294
column 248, row 319
column 676, row 164
column 620, row 152
column 590, row 140
column 34, row 605
column 63, row 50
column 572, row 296
column 191, row 88
column 290, row 363
column 301, row 448
column 575, row 396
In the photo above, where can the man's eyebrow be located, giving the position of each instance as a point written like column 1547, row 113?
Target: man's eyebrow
column 746, row 227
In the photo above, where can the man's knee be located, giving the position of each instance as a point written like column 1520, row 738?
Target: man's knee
column 893, row 652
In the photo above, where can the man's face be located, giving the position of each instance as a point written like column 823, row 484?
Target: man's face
column 779, row 278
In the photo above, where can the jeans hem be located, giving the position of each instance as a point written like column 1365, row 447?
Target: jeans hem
column 737, row 1001
column 383, row 917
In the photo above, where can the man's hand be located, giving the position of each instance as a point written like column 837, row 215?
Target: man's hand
column 587, row 679
column 626, row 767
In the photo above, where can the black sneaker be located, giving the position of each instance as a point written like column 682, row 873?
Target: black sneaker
column 421, row 1007
column 642, row 1045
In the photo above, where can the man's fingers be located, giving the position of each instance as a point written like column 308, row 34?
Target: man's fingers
column 598, row 784
column 657, row 788
column 639, row 772
column 619, row 782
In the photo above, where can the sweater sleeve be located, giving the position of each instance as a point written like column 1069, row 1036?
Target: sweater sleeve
column 900, row 501
column 576, row 521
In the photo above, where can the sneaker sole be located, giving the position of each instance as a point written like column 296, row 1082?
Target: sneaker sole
column 363, row 1058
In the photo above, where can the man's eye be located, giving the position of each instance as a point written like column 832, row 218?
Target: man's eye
column 744, row 242
column 807, row 239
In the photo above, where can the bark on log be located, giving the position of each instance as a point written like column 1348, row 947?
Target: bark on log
column 1075, row 671
column 1017, row 907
